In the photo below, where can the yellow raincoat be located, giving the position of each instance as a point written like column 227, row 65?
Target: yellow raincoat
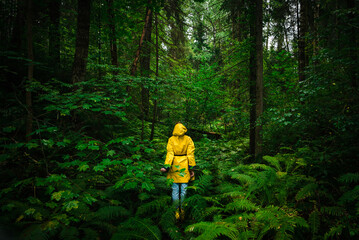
column 180, row 155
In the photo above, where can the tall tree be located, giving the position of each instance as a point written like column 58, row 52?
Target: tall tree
column 82, row 40
column 302, row 28
column 140, row 45
column 256, row 77
column 145, row 60
column 113, row 39
column 30, row 69
column 154, row 116
column 54, row 35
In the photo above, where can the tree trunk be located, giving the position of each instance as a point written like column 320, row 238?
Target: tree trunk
column 256, row 78
column 99, row 42
column 155, row 102
column 54, row 35
column 145, row 60
column 82, row 41
column 30, row 69
column 137, row 56
column 113, row 39
column 353, row 46
column 303, row 28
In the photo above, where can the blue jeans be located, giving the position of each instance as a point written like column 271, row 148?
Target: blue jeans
column 179, row 191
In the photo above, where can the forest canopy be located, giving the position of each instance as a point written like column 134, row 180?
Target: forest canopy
column 91, row 91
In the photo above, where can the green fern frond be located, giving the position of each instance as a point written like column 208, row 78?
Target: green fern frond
column 111, row 212
column 243, row 178
column 307, row 191
column 350, row 196
column 212, row 230
column 212, row 211
column 260, row 166
column 349, row 178
column 69, row 233
column 168, row 224
column 314, row 221
column 89, row 234
column 136, row 228
column 334, row 232
column 273, row 161
column 241, row 205
column 233, row 194
column 156, row 205
column 203, row 184
column 333, row 211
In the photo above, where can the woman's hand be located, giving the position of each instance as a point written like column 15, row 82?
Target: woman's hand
column 192, row 173
column 163, row 170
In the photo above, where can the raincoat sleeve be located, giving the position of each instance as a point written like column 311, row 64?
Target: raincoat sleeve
column 190, row 154
column 170, row 154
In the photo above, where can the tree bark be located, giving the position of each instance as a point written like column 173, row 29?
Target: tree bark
column 82, row 41
column 30, row 70
column 137, row 56
column 256, row 78
column 54, row 35
column 353, row 46
column 113, row 39
column 303, row 28
column 155, row 102
column 145, row 60
column 99, row 41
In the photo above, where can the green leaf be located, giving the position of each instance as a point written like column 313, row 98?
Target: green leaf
column 93, row 147
column 57, row 195
column 110, row 153
column 71, row 205
column 83, row 167
column 148, row 186
column 81, row 146
column 99, row 167
column 130, row 185
column 89, row 199
column 126, row 161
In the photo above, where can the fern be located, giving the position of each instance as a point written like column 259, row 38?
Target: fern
column 69, row 233
column 334, row 232
column 282, row 220
column 241, row 205
column 212, row 230
column 259, row 166
column 195, row 206
column 203, row 184
column 350, row 196
column 89, row 234
column 243, row 178
column 314, row 221
column 349, row 178
column 168, row 224
column 154, row 206
column 307, row 191
column 333, row 211
column 135, row 228
column 272, row 161
column 111, row 212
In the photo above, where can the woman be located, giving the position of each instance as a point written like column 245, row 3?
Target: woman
column 179, row 162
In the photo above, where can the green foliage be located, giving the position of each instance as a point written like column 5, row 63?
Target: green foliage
column 87, row 170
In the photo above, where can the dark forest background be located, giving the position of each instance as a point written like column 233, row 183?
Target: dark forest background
column 91, row 90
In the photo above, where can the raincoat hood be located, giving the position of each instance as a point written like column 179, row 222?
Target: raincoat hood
column 179, row 130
